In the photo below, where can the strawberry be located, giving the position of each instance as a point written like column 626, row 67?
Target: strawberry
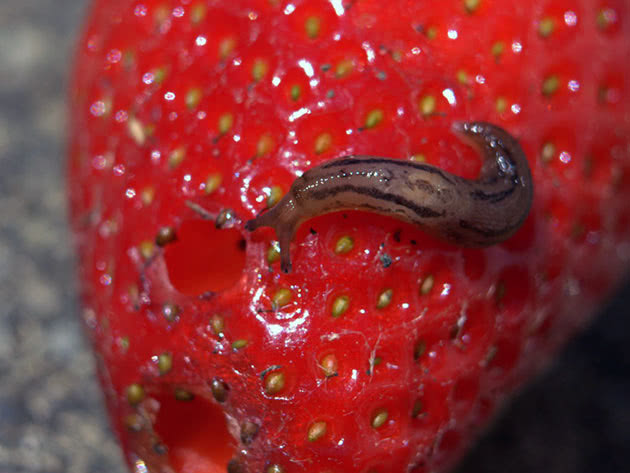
column 384, row 349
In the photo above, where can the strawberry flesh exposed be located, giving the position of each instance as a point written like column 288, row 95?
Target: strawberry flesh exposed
column 384, row 350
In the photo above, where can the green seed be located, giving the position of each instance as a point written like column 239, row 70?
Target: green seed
column 546, row 27
column 344, row 245
column 344, row 68
column 550, row 85
column 213, row 181
column 165, row 363
column 281, row 298
column 225, row 123
column 497, row 49
column 501, row 104
column 275, row 194
column 260, row 69
column 239, row 344
column 312, row 26
column 193, row 97
column 295, row 92
column 374, row 118
column 273, row 253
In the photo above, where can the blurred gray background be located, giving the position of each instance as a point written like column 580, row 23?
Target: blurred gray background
column 574, row 419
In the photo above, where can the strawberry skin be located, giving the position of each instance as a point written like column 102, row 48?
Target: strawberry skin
column 384, row 350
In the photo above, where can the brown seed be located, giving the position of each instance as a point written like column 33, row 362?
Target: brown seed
column 427, row 284
column 340, row 306
column 183, row 395
column 550, row 85
column 219, row 389
column 249, row 430
column 274, row 383
column 275, row 469
column 176, row 157
column 171, row 311
column 379, row 418
column 417, row 409
column 224, row 217
column 419, row 349
column 133, row 422
column 323, row 143
column 316, row 431
column 217, row 324
column 165, row 236
column 135, row 393
column 384, row 298
column 329, row 365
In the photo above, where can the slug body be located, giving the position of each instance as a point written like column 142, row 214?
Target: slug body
column 466, row 212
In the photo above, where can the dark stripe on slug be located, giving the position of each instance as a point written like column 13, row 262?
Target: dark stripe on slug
column 359, row 160
column 488, row 232
column 494, row 197
column 420, row 210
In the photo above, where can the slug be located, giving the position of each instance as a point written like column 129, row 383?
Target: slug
column 471, row 213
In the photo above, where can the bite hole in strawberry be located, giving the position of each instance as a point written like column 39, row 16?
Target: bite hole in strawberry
column 195, row 435
column 204, row 258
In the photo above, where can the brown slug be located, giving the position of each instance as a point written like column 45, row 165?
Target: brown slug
column 466, row 212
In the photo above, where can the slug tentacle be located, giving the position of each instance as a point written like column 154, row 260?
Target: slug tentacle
column 466, row 212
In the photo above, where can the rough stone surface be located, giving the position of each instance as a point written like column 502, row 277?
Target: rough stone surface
column 574, row 419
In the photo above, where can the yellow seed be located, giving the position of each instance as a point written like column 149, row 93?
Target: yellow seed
column 176, row 157
column 259, row 69
column 501, row 104
column 547, row 152
column 226, row 121
column 226, row 47
column 239, row 344
column 275, row 194
column 344, row 68
column 379, row 418
column 384, row 299
column 273, row 253
column 344, row 245
column 340, row 306
column 312, row 26
column 431, row 32
column 165, row 363
column 123, row 342
column 605, row 18
column 471, row 5
column 427, row 284
column 296, row 92
column 281, row 298
column 217, row 324
column 198, row 13
column 135, row 393
column 275, row 469
column 546, row 27
column 427, row 105
column 213, row 181
column 159, row 75
column 323, row 143
column 274, row 383
column 265, row 145
column 329, row 365
column 550, row 85
column 419, row 158
column 497, row 49
column 374, row 118
column 316, row 431
column 136, row 130
column 147, row 249
column 147, row 195
column 193, row 97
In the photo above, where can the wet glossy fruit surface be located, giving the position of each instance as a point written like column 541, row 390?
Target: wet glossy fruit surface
column 383, row 349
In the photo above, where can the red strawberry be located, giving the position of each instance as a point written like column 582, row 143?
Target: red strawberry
column 384, row 349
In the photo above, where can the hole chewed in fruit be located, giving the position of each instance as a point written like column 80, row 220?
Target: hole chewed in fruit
column 205, row 259
column 195, row 435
